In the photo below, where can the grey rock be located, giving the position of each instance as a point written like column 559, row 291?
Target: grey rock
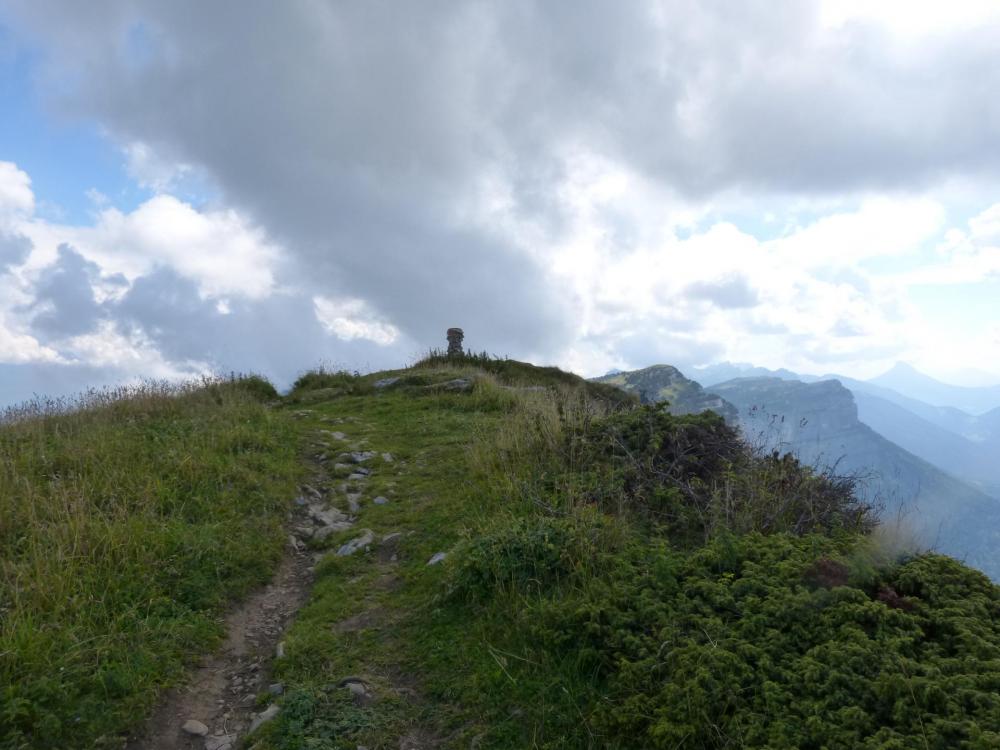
column 279, row 650
column 359, row 690
column 300, row 501
column 335, row 435
column 359, row 457
column 326, row 516
column 304, row 532
column 437, row 558
column 387, row 457
column 365, row 540
column 391, row 539
column 380, row 500
column 341, row 467
column 362, row 470
column 276, row 688
column 220, row 742
column 356, row 477
column 194, row 728
column 264, row 716
column 294, row 543
column 386, row 383
column 458, row 384
column 327, row 531
column 354, row 501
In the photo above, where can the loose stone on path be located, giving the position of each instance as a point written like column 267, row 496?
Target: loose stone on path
column 194, row 728
column 361, row 542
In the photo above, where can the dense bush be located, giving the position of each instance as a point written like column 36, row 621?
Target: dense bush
column 256, row 386
column 336, row 382
column 737, row 645
column 696, row 476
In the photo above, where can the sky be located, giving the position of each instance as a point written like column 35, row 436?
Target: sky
column 193, row 187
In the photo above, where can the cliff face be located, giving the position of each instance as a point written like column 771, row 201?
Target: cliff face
column 667, row 384
column 818, row 423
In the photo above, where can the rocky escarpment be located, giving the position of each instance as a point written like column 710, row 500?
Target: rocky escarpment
column 664, row 383
column 818, row 423
column 810, row 419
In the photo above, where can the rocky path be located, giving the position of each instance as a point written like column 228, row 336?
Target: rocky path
column 218, row 704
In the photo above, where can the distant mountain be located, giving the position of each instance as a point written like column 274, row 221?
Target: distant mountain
column 972, row 455
column 976, row 428
column 723, row 371
column 818, row 422
column 666, row 383
column 907, row 380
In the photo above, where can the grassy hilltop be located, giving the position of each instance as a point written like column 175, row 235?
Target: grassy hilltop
column 614, row 576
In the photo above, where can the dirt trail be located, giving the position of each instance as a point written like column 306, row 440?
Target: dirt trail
column 222, row 691
column 218, row 701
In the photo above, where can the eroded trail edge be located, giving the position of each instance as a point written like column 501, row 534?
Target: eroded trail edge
column 219, row 702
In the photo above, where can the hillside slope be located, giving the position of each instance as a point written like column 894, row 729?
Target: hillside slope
column 512, row 557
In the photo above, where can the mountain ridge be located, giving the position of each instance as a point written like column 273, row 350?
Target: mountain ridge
column 819, row 422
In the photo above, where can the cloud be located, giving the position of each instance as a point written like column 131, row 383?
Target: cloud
column 730, row 292
column 150, row 170
column 16, row 196
column 14, row 250
column 415, row 175
column 351, row 319
column 714, row 180
column 65, row 304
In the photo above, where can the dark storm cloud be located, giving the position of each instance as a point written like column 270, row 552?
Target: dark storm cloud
column 360, row 134
column 65, row 304
column 279, row 336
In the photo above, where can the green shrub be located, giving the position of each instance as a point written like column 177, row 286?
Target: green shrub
column 695, row 477
column 338, row 382
column 738, row 645
column 530, row 554
column 257, row 386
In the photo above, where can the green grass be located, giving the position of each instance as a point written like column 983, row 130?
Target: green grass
column 128, row 520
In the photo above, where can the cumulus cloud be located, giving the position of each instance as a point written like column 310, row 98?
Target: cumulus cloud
column 150, row 170
column 16, row 196
column 380, row 159
column 14, row 249
column 165, row 290
column 714, row 180
column 64, row 303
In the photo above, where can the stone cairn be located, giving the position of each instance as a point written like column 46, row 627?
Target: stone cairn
column 455, row 336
